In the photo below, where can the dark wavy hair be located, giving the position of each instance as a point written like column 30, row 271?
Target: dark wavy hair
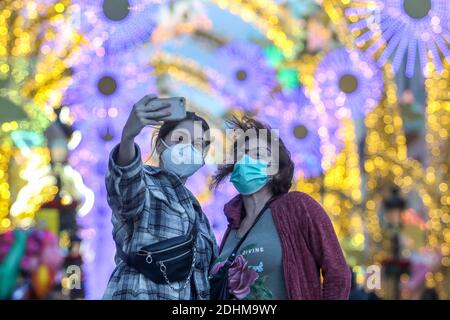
column 281, row 182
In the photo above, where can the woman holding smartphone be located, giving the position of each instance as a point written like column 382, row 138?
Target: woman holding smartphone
column 164, row 242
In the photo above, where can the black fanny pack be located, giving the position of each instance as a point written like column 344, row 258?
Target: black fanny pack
column 167, row 261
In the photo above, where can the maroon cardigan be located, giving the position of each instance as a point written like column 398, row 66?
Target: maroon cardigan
column 309, row 246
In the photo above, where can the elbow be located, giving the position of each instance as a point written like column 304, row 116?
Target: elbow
column 338, row 285
column 347, row 283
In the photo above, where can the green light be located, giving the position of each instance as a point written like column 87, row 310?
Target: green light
column 26, row 139
column 288, row 78
column 274, row 56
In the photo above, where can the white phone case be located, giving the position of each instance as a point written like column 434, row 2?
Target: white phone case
column 177, row 107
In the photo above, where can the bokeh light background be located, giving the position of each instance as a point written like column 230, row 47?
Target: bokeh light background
column 359, row 90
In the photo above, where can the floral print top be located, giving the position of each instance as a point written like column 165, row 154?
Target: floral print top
column 257, row 272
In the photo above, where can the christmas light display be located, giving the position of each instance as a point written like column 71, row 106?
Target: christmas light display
column 348, row 80
column 274, row 21
column 32, row 74
column 242, row 68
column 407, row 27
column 299, row 128
column 109, row 85
column 116, row 25
column 322, row 72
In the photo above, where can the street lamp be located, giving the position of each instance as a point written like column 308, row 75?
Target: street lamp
column 394, row 264
column 58, row 135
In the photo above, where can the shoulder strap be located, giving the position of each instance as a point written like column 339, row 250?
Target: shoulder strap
column 122, row 255
column 241, row 241
column 197, row 210
column 194, row 228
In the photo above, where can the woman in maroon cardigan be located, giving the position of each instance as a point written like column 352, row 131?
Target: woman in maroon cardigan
column 291, row 250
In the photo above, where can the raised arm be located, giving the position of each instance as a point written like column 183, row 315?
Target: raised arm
column 125, row 183
column 141, row 115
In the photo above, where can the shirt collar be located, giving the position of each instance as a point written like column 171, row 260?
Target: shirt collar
column 233, row 210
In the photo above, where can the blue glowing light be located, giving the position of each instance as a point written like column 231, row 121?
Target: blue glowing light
column 244, row 76
column 349, row 80
column 117, row 24
column 298, row 126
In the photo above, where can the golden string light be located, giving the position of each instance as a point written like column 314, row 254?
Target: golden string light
column 437, row 175
column 182, row 69
column 40, row 187
column 33, row 73
column 385, row 153
column 188, row 72
column 342, row 185
column 5, row 155
column 29, row 57
column 387, row 160
column 279, row 26
column 339, row 188
column 339, row 192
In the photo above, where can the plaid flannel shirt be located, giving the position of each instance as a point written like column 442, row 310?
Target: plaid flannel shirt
column 148, row 205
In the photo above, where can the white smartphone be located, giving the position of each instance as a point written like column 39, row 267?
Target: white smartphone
column 177, row 107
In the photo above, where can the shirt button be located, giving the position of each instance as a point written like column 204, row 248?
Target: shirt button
column 198, row 265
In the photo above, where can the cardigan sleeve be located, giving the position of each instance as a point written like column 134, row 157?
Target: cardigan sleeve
column 325, row 247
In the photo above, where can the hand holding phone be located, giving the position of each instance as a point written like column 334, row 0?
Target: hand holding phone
column 143, row 115
column 146, row 112
column 151, row 110
column 175, row 106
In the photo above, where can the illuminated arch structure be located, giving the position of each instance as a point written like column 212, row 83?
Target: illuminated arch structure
column 349, row 207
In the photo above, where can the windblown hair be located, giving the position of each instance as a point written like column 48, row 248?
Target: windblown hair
column 281, row 182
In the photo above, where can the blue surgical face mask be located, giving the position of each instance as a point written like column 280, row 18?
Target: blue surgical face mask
column 249, row 175
column 182, row 159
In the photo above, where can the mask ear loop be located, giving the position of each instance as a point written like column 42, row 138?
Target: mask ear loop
column 201, row 153
column 154, row 149
column 164, row 144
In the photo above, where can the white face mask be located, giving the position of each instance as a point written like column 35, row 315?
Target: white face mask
column 182, row 159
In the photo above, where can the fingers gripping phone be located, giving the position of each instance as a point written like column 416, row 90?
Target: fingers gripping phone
column 177, row 107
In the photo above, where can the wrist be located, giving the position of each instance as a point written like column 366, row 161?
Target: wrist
column 126, row 138
column 127, row 134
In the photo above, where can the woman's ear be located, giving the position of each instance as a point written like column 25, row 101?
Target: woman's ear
column 275, row 178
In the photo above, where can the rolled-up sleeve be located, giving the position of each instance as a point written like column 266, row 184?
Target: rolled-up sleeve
column 125, row 185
